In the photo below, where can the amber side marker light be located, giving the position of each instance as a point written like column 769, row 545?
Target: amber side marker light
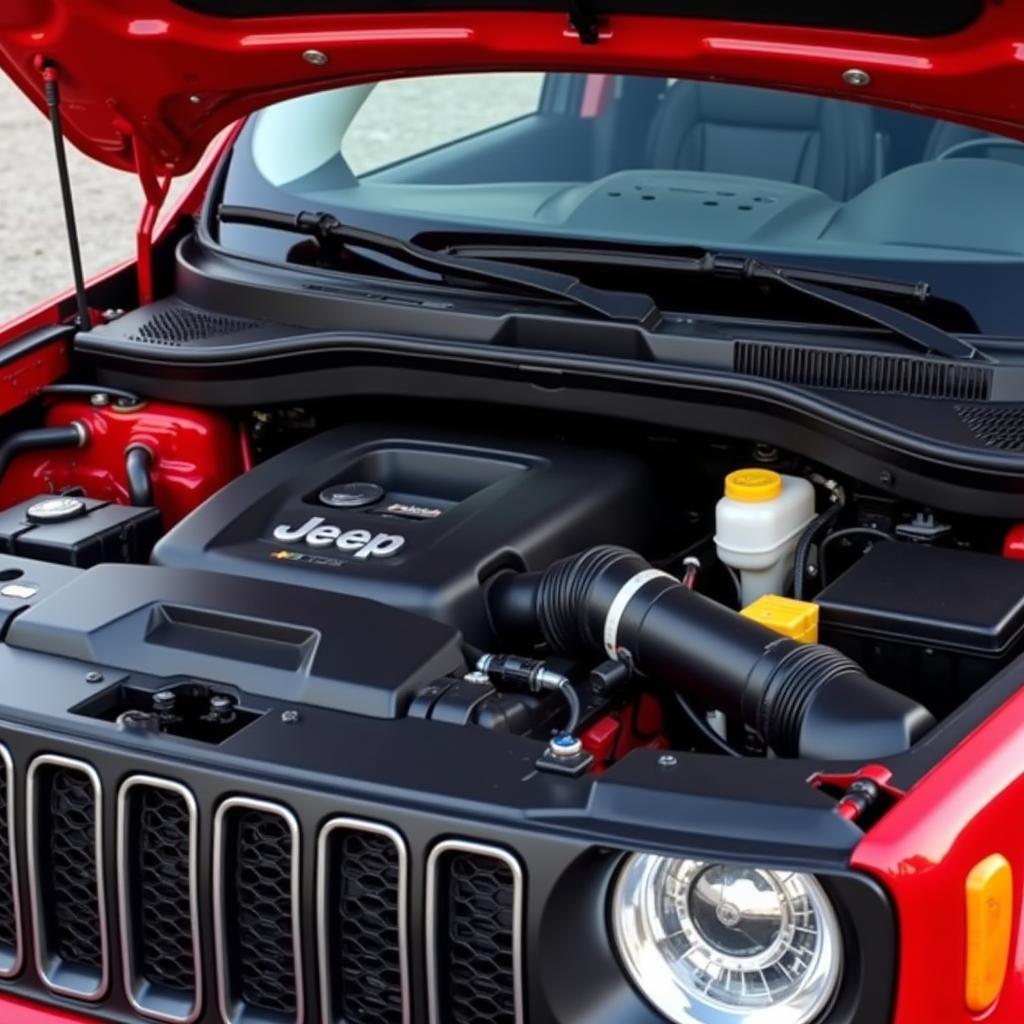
column 989, row 890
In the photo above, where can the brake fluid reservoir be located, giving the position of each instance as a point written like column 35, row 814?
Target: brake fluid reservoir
column 758, row 525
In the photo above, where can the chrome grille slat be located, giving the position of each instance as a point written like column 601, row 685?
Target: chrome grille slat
column 151, row 989
column 12, row 934
column 440, row 959
column 234, row 1007
column 52, row 916
column 340, row 964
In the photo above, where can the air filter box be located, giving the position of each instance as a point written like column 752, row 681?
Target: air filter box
column 934, row 623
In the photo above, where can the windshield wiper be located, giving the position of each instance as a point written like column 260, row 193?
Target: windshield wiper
column 627, row 307
column 857, row 296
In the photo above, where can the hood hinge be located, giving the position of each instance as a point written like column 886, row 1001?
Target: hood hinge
column 155, row 190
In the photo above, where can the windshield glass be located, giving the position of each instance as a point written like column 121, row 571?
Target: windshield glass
column 642, row 160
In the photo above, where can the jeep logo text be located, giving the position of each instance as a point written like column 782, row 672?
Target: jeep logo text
column 361, row 544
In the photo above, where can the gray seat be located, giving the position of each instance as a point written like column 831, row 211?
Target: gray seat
column 945, row 135
column 731, row 129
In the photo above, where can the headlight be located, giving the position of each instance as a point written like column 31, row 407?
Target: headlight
column 726, row 944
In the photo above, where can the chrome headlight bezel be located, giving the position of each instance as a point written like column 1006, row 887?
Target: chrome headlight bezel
column 804, row 955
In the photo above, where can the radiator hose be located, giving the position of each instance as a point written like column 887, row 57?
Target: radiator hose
column 806, row 700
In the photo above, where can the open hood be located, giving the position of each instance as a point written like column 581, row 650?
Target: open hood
column 157, row 80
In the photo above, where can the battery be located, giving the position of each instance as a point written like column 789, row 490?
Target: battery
column 78, row 531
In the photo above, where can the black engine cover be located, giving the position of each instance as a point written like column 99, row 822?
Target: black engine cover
column 417, row 521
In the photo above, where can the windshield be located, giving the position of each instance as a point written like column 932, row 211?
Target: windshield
column 649, row 161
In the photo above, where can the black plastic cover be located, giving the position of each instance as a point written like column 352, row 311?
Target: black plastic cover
column 99, row 532
column 270, row 639
column 938, row 596
column 453, row 512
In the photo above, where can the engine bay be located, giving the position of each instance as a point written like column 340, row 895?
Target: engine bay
column 598, row 591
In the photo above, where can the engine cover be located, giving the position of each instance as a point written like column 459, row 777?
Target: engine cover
column 414, row 520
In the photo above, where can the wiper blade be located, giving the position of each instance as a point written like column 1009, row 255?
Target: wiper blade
column 918, row 332
column 851, row 293
column 627, row 307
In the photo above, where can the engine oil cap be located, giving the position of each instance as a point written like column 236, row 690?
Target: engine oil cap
column 352, row 495
column 58, row 509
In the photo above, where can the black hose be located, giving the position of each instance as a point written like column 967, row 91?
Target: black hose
column 703, row 728
column 851, row 531
column 804, row 699
column 137, row 463
column 568, row 691
column 75, row 435
column 803, row 548
column 88, row 390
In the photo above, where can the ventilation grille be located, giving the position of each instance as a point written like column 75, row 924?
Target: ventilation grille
column 872, row 372
column 995, row 426
column 67, row 876
column 363, row 944
column 158, row 901
column 476, row 953
column 10, row 917
column 183, row 325
column 258, row 927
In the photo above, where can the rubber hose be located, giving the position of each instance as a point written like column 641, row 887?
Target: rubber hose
column 137, row 463
column 806, row 700
column 75, row 435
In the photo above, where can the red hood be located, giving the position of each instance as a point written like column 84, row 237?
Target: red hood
column 170, row 77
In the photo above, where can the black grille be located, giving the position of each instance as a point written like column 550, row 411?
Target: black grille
column 9, row 925
column 158, row 883
column 259, row 925
column 476, row 967
column 183, row 325
column 872, row 372
column 995, row 426
column 364, row 959
column 69, row 868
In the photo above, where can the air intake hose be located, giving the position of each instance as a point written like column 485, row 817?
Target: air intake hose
column 806, row 700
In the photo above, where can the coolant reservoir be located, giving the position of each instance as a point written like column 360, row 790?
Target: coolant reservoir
column 758, row 525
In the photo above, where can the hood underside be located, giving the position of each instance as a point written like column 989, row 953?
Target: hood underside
column 165, row 77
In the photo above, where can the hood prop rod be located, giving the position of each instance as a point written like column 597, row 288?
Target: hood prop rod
column 51, row 87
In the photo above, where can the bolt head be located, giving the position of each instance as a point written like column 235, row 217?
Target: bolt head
column 165, row 697
column 289, row 717
column 99, row 400
column 94, row 677
column 195, row 100
column 315, row 57
column 221, row 700
column 668, row 761
column 856, row 77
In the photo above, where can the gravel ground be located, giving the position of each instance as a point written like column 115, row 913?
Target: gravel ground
column 33, row 251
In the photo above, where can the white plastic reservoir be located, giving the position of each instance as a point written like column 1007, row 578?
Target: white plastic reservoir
column 758, row 525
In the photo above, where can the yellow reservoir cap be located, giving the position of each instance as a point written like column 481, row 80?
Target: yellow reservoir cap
column 989, row 889
column 753, row 485
column 783, row 615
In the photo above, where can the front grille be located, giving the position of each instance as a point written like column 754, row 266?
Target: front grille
column 66, row 875
column 157, row 898
column 256, row 906
column 474, row 946
column 11, row 938
column 362, row 885
column 251, row 933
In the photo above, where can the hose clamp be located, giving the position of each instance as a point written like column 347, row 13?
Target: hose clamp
column 629, row 590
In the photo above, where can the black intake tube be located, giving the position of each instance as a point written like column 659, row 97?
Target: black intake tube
column 138, row 461
column 806, row 700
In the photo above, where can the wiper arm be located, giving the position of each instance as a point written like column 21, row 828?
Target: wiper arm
column 627, row 307
column 918, row 332
column 850, row 293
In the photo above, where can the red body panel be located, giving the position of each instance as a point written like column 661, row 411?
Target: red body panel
column 16, row 1011
column 195, row 453
column 172, row 79
column 969, row 806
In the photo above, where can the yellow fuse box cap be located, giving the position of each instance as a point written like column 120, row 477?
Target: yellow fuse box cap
column 783, row 615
